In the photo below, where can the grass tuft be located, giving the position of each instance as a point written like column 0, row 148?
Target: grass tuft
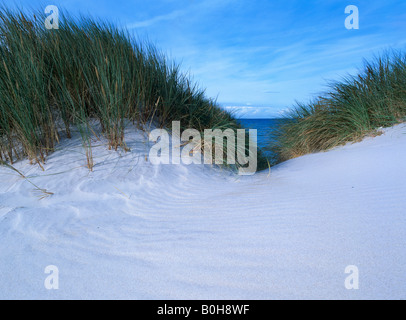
column 42, row 193
column 352, row 109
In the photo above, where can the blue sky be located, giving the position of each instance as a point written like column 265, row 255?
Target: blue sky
column 257, row 57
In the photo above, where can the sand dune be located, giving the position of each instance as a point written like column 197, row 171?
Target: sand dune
column 130, row 229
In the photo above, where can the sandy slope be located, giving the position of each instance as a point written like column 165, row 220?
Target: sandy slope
column 133, row 230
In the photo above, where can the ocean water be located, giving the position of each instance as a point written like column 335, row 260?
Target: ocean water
column 264, row 129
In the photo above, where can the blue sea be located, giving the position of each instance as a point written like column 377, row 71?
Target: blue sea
column 264, row 128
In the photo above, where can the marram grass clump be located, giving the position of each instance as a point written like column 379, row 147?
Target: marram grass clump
column 52, row 80
column 352, row 109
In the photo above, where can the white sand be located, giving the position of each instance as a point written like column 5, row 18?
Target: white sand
column 133, row 230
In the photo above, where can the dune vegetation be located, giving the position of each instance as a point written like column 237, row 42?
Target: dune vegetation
column 87, row 70
column 353, row 108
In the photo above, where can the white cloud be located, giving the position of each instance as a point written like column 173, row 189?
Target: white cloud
column 147, row 23
column 253, row 112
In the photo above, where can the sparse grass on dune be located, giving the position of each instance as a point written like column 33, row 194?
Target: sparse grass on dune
column 42, row 193
column 352, row 109
column 86, row 70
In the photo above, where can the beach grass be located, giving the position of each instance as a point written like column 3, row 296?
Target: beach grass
column 53, row 80
column 353, row 108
